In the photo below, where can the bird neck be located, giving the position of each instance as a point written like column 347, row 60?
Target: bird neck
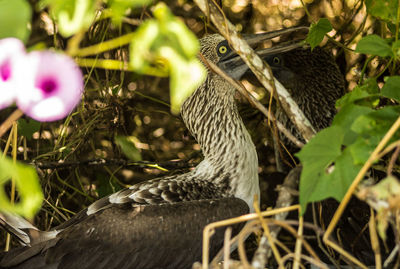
column 212, row 117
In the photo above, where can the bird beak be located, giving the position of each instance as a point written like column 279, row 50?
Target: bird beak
column 235, row 67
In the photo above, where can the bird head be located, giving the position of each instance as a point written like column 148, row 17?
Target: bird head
column 292, row 63
column 217, row 50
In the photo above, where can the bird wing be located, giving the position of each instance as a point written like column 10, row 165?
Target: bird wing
column 120, row 236
column 169, row 189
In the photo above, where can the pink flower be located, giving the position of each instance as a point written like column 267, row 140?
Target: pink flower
column 50, row 85
column 10, row 50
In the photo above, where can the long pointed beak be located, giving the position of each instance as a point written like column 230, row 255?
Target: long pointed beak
column 235, row 67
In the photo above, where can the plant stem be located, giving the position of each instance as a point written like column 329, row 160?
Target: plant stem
column 103, row 46
column 9, row 121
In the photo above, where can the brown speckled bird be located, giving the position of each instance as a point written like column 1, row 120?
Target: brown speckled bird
column 313, row 80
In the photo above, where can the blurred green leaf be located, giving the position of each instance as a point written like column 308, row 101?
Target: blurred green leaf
column 167, row 41
column 182, row 39
column 106, row 185
column 141, row 46
column 391, row 88
column 318, row 31
column 374, row 45
column 118, row 8
column 128, row 148
column 186, row 76
column 27, row 127
column 15, row 17
column 27, row 186
column 383, row 9
column 396, row 44
column 72, row 16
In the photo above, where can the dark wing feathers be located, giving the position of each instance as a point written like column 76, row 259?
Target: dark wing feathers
column 165, row 190
column 147, row 237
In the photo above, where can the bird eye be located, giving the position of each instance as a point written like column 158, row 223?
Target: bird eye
column 223, row 49
column 276, row 60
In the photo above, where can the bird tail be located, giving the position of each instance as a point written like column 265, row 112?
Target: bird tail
column 24, row 231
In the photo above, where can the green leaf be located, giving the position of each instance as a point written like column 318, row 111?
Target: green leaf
column 119, row 8
column 27, row 127
column 345, row 118
column 141, row 46
column 391, row 88
column 72, row 16
column 382, row 9
column 368, row 90
column 374, row 45
column 27, row 185
column 316, row 157
column 182, row 39
column 317, row 32
column 128, row 148
column 186, row 76
column 362, row 148
column 106, row 185
column 15, row 17
column 168, row 41
column 377, row 122
column 327, row 171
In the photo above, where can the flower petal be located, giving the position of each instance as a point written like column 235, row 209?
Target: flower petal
column 10, row 50
column 51, row 86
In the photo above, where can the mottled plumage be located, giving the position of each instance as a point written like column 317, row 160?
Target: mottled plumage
column 313, row 80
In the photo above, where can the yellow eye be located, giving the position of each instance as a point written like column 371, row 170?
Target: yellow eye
column 223, row 49
column 276, row 60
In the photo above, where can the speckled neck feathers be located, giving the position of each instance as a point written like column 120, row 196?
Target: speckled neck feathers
column 212, row 117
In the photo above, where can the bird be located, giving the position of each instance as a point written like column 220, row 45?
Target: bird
column 158, row 223
column 313, row 80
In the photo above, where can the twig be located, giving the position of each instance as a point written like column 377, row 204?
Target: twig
column 250, row 227
column 180, row 164
column 210, row 228
column 374, row 240
column 309, row 259
column 260, row 69
column 298, row 245
column 9, row 121
column 227, row 247
column 267, row 234
column 285, row 199
column 392, row 161
column 392, row 255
